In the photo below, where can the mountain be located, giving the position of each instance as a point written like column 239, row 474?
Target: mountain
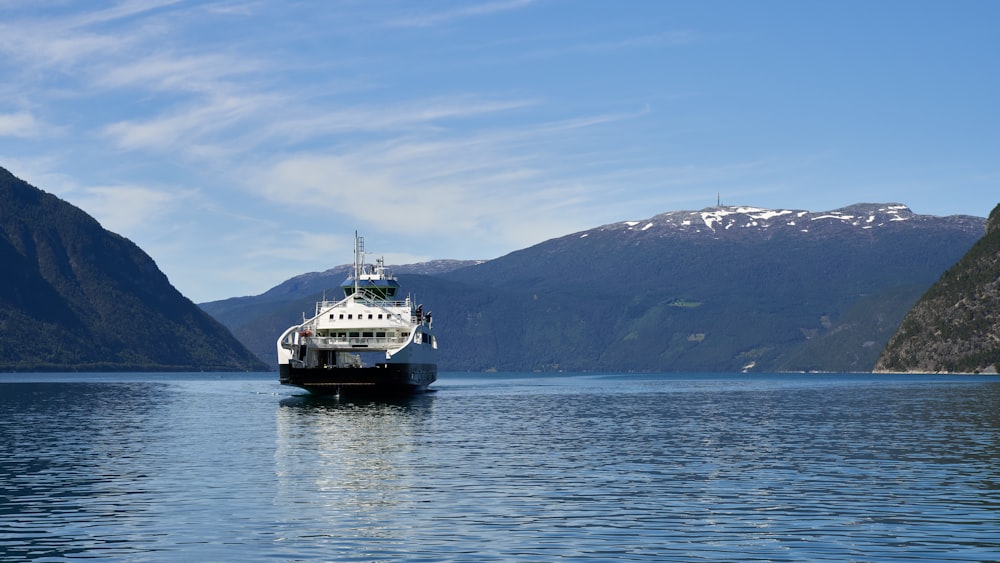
column 721, row 289
column 75, row 297
column 955, row 327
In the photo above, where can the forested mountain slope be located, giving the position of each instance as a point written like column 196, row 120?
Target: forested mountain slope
column 76, row 297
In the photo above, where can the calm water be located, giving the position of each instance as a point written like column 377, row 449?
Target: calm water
column 504, row 467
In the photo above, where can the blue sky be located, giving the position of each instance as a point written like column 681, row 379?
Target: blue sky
column 240, row 143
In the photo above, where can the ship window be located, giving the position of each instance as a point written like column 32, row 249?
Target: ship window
column 350, row 316
column 369, row 316
column 367, row 334
column 380, row 316
column 353, row 334
column 341, row 315
column 379, row 335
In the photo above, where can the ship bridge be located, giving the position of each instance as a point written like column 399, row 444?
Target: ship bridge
column 373, row 281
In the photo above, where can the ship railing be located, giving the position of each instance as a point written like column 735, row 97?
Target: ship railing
column 336, row 342
column 322, row 306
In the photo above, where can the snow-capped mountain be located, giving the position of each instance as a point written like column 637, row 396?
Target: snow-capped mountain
column 744, row 220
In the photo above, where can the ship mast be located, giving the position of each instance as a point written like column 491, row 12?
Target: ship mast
column 359, row 259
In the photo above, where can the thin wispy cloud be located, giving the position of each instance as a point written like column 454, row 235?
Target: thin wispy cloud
column 464, row 11
column 179, row 72
column 45, row 39
column 188, row 126
column 43, row 47
column 669, row 38
column 117, row 11
column 21, row 124
column 124, row 209
column 398, row 117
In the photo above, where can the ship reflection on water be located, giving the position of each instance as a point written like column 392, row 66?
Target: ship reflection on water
column 344, row 469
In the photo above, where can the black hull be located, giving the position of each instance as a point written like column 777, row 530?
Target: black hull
column 381, row 380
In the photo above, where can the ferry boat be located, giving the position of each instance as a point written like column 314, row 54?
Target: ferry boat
column 371, row 342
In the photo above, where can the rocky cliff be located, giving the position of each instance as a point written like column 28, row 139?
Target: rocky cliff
column 955, row 327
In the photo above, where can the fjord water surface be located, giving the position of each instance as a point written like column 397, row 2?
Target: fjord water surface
column 502, row 467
